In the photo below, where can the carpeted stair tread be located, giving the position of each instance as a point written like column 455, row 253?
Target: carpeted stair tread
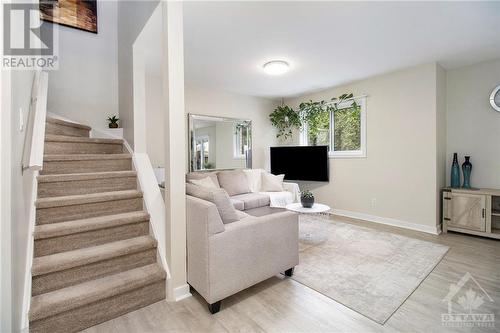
column 76, row 139
column 84, row 176
column 84, row 225
column 80, row 199
column 66, row 299
column 67, row 123
column 84, row 157
column 69, row 259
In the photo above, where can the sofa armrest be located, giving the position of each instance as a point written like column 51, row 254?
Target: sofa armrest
column 294, row 189
column 202, row 220
column 202, row 212
column 251, row 250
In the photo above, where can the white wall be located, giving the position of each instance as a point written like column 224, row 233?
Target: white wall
column 5, row 202
column 16, row 217
column 400, row 170
column 440, row 136
column 85, row 88
column 132, row 16
column 155, row 121
column 473, row 125
column 210, row 102
column 21, row 193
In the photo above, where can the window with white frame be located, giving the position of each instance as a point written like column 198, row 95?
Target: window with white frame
column 241, row 140
column 343, row 129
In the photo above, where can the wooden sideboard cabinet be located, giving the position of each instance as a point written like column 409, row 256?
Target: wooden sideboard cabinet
column 475, row 212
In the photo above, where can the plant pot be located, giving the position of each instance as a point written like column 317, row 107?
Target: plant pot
column 113, row 125
column 307, row 202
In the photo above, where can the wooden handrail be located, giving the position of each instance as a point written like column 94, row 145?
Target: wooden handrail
column 35, row 127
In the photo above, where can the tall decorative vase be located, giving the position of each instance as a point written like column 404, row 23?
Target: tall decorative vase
column 455, row 172
column 467, row 169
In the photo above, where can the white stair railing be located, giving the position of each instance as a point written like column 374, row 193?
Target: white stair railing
column 35, row 127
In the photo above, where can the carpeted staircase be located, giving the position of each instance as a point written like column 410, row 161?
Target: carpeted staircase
column 94, row 257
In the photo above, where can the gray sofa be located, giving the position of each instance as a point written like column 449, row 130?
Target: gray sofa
column 226, row 257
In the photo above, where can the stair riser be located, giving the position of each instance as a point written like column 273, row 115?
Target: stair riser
column 65, row 167
column 54, row 189
column 81, row 240
column 57, row 129
column 57, row 147
column 57, row 280
column 83, row 211
column 101, row 311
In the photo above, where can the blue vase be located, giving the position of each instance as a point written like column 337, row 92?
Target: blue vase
column 467, row 170
column 455, row 172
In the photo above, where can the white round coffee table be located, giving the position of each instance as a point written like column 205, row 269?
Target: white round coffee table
column 315, row 209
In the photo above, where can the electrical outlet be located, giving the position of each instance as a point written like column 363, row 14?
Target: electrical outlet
column 374, row 202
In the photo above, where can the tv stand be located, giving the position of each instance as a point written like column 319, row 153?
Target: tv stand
column 472, row 211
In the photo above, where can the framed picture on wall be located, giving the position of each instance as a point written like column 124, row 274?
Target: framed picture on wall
column 80, row 14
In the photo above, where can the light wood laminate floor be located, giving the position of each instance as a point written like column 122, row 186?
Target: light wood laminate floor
column 283, row 305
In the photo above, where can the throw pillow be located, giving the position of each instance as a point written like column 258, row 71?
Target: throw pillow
column 217, row 196
column 234, row 182
column 203, row 174
column 204, row 182
column 254, row 178
column 272, row 183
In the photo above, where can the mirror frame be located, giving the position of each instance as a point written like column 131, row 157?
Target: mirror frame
column 494, row 105
column 191, row 142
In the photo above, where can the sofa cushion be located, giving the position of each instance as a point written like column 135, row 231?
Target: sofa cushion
column 264, row 211
column 242, row 215
column 234, row 182
column 238, row 204
column 204, row 182
column 254, row 178
column 219, row 197
column 272, row 183
column 252, row 200
column 201, row 175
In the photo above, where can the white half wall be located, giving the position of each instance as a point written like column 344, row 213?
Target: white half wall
column 132, row 16
column 155, row 123
column 397, row 180
column 473, row 125
column 5, row 201
column 211, row 102
column 85, row 87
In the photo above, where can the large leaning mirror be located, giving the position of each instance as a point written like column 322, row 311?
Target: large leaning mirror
column 219, row 143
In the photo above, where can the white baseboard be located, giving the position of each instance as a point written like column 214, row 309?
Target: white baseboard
column 435, row 230
column 181, row 292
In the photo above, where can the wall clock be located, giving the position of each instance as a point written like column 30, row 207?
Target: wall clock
column 495, row 98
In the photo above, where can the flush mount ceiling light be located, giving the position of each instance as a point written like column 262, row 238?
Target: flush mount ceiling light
column 276, row 67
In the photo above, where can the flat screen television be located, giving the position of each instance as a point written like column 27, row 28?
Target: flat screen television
column 309, row 163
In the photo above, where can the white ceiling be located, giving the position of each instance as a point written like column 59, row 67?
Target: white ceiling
column 330, row 43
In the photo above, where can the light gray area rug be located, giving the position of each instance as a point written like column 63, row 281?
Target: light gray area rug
column 369, row 271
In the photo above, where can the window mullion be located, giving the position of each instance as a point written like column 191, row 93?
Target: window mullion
column 332, row 131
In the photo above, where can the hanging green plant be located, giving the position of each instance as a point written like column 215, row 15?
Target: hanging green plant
column 285, row 119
